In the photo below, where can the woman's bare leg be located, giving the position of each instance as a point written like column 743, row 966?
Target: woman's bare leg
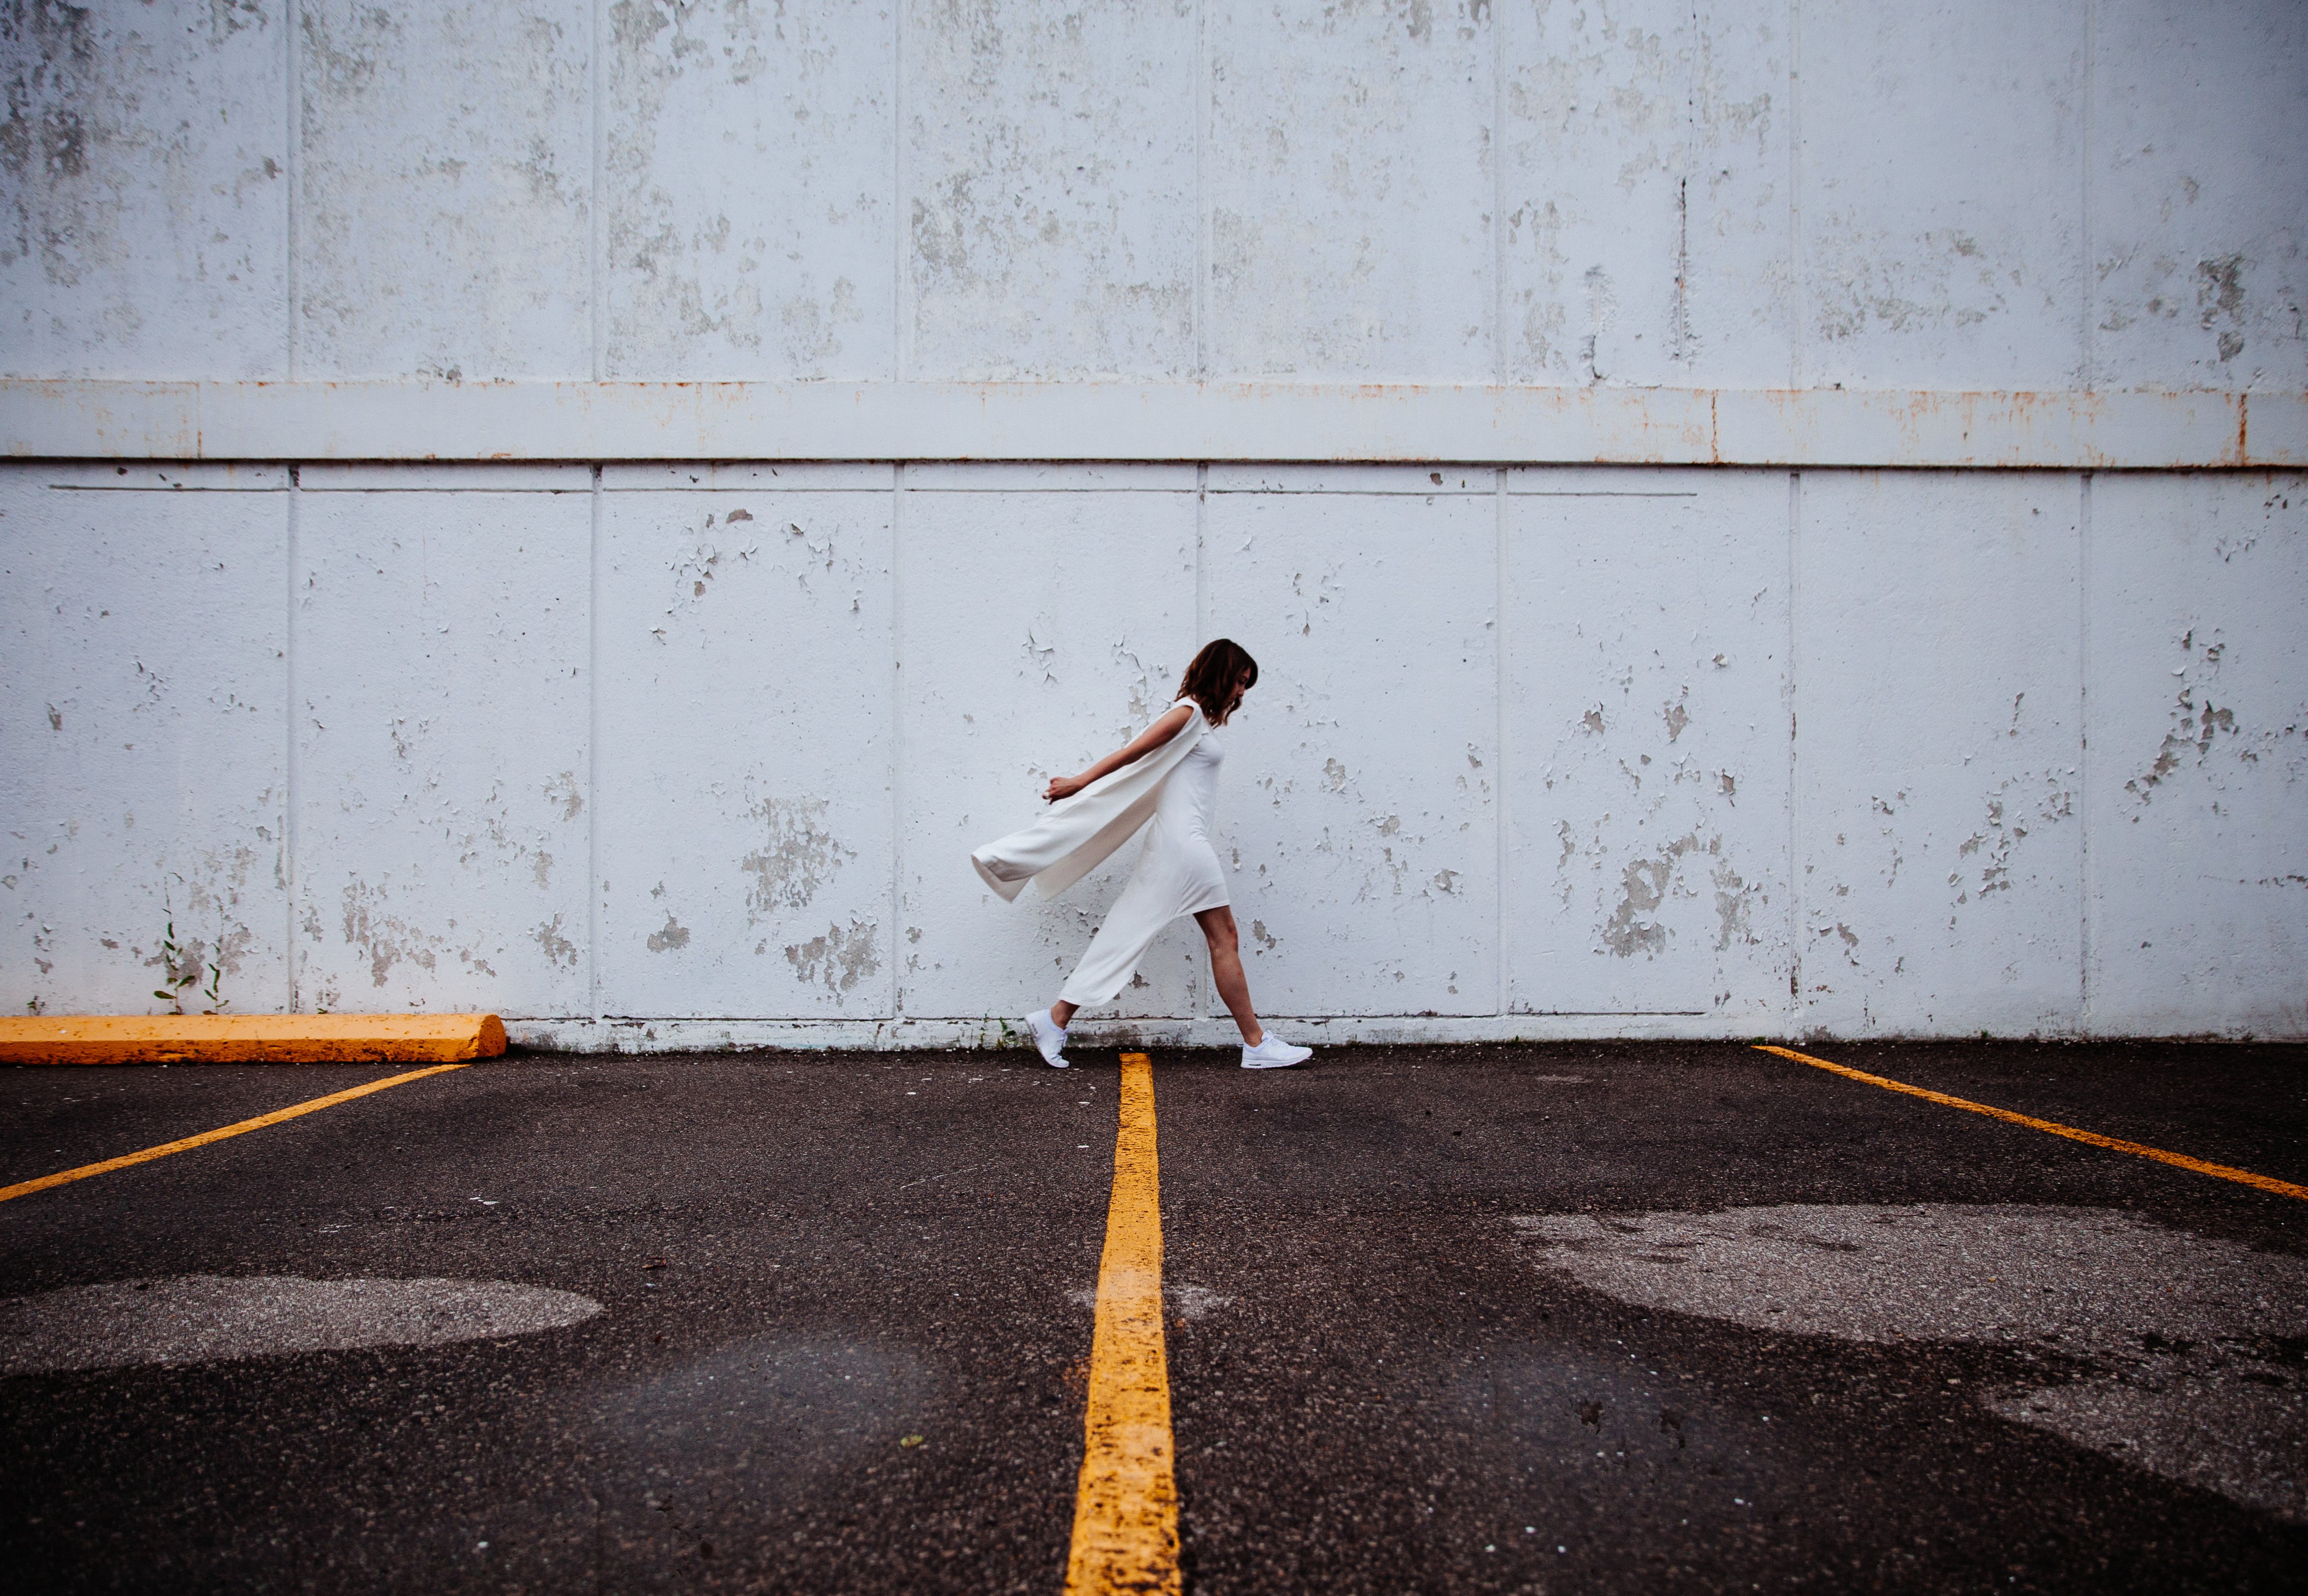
column 1226, row 970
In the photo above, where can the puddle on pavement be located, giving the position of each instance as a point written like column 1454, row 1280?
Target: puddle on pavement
column 703, row 1459
column 2195, row 1344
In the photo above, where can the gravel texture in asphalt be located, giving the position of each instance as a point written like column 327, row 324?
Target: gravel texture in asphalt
column 1560, row 1318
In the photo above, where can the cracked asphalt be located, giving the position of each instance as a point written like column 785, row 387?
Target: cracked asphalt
column 1497, row 1318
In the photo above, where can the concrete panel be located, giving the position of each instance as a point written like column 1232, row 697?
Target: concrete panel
column 143, row 752
column 1938, row 755
column 2198, row 778
column 1360, row 823
column 2199, row 175
column 1941, row 195
column 1349, row 189
column 145, row 203
column 745, row 735
column 1646, row 618
column 1646, row 195
column 748, row 179
column 446, row 160
column 1050, row 183
column 440, row 680
column 1040, row 630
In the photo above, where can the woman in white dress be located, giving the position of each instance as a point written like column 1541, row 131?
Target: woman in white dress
column 1166, row 780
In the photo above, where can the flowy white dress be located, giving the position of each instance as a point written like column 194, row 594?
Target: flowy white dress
column 1173, row 794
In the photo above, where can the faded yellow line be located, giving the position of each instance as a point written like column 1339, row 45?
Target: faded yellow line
column 1127, row 1502
column 66, row 1177
column 2267, row 1183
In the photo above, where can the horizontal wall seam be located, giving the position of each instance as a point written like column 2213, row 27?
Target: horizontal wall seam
column 1038, row 488
column 1134, row 422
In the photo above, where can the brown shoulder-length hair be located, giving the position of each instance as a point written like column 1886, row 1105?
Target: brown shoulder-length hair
column 1219, row 677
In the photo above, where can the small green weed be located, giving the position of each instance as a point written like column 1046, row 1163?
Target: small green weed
column 184, row 965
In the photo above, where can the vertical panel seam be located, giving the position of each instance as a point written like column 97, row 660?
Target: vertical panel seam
column 1679, row 344
column 292, row 766
column 900, row 332
column 1203, row 250
column 293, row 163
column 593, row 888
column 1498, row 204
column 2084, row 928
column 1499, row 820
column 596, row 265
column 2087, row 337
column 1795, row 198
column 1199, row 999
column 897, row 741
column 1794, row 791
column 901, row 300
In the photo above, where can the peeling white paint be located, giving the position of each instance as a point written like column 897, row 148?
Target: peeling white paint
column 840, row 957
column 746, row 796
column 439, row 638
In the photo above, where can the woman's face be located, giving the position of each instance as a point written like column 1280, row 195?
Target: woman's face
column 1234, row 700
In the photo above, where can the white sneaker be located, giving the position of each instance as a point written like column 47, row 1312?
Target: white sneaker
column 1049, row 1038
column 1274, row 1054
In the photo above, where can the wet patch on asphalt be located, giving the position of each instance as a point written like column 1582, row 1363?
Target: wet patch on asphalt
column 2184, row 1353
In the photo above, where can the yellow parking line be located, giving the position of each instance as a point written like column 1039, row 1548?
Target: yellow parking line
column 2267, row 1183
column 1127, row 1502
column 64, row 1177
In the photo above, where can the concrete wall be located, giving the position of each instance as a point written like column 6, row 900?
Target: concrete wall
column 1875, row 609
column 1686, row 751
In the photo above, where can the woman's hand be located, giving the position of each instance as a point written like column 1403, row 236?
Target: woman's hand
column 1063, row 787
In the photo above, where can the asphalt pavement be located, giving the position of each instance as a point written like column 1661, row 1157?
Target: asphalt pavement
column 1561, row 1317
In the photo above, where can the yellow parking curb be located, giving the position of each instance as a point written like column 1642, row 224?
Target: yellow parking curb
column 251, row 1038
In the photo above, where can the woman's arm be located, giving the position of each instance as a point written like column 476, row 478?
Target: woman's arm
column 1138, row 749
